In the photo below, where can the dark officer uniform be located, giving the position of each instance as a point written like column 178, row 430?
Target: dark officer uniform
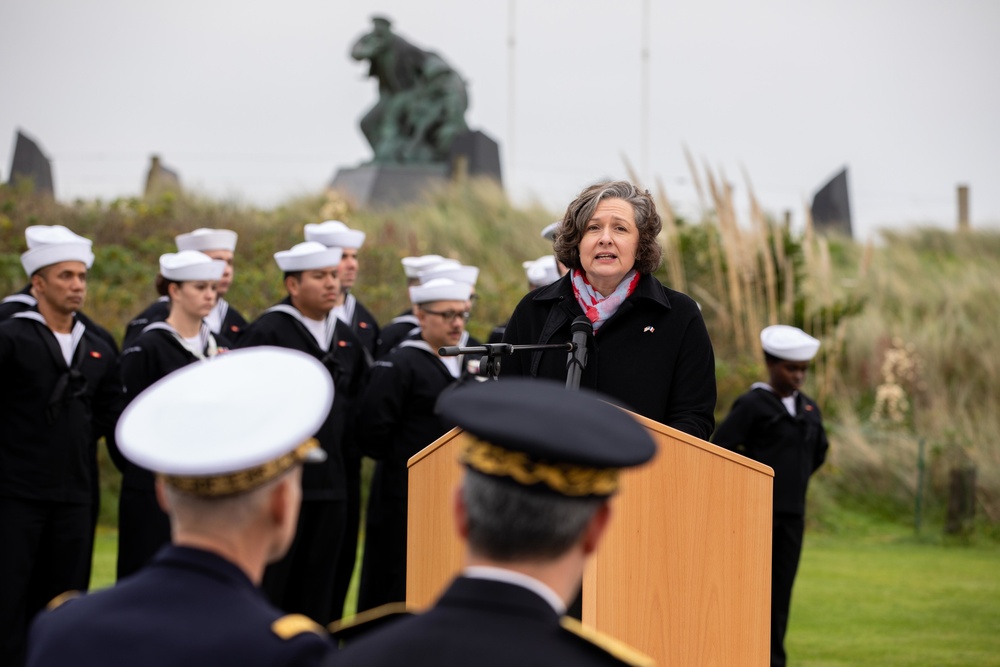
column 233, row 322
column 51, row 414
column 303, row 580
column 538, row 435
column 485, row 623
column 169, row 614
column 397, row 411
column 143, row 527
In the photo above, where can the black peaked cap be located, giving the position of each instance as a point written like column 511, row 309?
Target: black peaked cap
column 548, row 422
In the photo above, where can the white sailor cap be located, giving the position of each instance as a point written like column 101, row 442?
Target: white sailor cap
column 39, row 235
column 457, row 272
column 54, row 245
column 542, row 271
column 190, row 265
column 335, row 234
column 229, row 425
column 788, row 343
column 440, row 289
column 307, row 256
column 412, row 266
column 207, row 239
column 549, row 231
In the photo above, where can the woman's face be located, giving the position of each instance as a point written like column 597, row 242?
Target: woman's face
column 194, row 297
column 608, row 245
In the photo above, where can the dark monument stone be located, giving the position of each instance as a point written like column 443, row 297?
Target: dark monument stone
column 417, row 129
column 481, row 155
column 160, row 179
column 388, row 184
column 831, row 206
column 30, row 163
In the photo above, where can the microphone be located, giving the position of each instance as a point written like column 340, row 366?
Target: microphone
column 576, row 361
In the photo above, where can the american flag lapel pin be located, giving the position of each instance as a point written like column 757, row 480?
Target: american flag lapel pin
column 649, row 329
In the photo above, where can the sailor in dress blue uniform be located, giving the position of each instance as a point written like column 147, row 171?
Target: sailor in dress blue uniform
column 229, row 473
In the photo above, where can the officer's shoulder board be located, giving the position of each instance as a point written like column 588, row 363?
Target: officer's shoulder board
column 368, row 620
column 616, row 649
column 294, row 625
column 61, row 599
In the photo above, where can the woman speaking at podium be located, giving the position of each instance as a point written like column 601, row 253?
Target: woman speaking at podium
column 650, row 348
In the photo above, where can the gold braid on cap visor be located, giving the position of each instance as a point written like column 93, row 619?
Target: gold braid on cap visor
column 241, row 481
column 569, row 480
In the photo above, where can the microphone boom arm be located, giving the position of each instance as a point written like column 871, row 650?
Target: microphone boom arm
column 493, row 351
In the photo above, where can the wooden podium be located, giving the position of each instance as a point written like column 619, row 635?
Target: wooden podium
column 684, row 571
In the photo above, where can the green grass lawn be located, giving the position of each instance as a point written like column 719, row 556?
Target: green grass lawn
column 865, row 598
column 895, row 601
column 102, row 572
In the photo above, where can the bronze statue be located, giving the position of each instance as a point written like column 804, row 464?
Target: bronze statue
column 422, row 100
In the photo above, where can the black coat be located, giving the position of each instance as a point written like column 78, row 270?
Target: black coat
column 232, row 322
column 51, row 414
column 653, row 355
column 348, row 367
column 482, row 623
column 188, row 607
column 761, row 428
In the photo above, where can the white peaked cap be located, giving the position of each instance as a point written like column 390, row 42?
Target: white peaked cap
column 229, row 424
column 190, row 265
column 457, row 272
column 307, row 256
column 542, row 271
column 412, row 266
column 335, row 234
column 46, row 255
column 440, row 289
column 788, row 343
column 207, row 239
column 39, row 235
column 549, row 231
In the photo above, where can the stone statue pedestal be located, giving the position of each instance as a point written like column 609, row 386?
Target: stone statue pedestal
column 473, row 154
column 388, row 184
column 480, row 153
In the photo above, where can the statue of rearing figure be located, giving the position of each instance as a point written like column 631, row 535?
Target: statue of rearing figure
column 422, row 100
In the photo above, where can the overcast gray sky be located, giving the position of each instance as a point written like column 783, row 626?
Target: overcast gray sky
column 258, row 100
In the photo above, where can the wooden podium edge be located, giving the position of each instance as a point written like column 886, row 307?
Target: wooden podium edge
column 703, row 445
column 433, row 447
column 651, row 424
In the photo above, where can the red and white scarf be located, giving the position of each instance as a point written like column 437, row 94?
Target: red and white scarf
column 599, row 308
